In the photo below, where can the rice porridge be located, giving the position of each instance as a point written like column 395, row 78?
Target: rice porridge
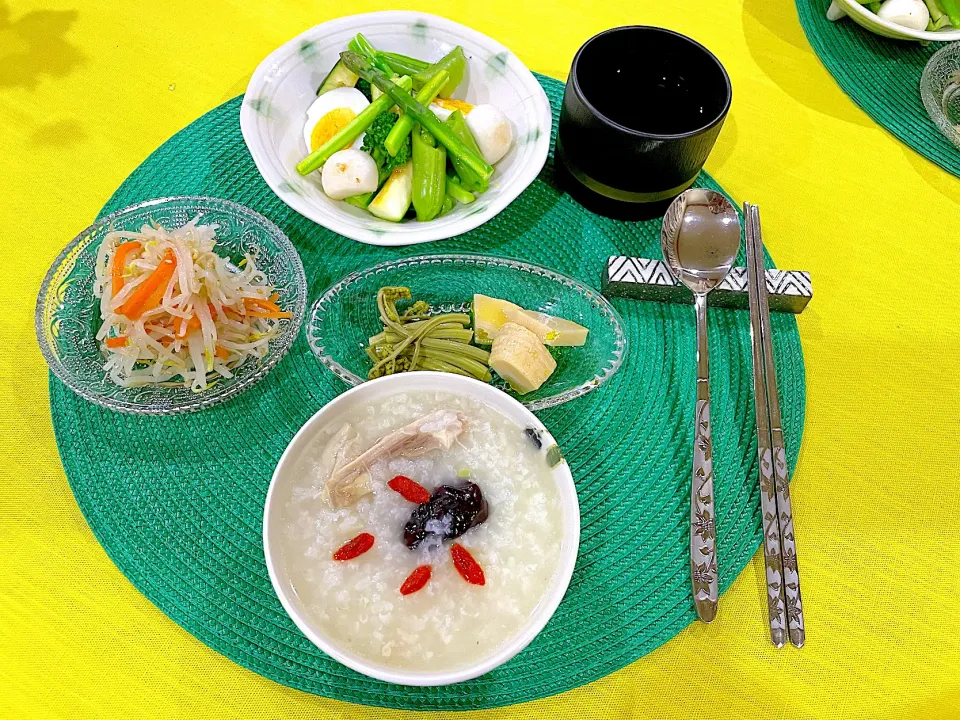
column 514, row 533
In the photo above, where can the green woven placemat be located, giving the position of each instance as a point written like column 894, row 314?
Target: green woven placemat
column 177, row 502
column 880, row 75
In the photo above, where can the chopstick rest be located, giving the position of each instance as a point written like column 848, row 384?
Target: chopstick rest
column 645, row 279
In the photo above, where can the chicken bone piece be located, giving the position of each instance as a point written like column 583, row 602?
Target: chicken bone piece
column 437, row 431
column 342, row 449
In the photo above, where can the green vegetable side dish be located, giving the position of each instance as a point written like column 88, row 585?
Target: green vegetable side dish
column 379, row 147
column 417, row 339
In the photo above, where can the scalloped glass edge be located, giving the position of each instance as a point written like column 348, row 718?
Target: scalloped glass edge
column 603, row 306
column 933, row 101
column 64, row 263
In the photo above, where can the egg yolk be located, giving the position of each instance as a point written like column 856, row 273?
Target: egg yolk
column 329, row 125
column 451, row 104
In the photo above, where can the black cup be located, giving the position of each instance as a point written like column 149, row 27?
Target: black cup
column 641, row 113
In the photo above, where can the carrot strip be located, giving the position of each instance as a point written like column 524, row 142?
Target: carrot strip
column 260, row 305
column 222, row 352
column 185, row 326
column 274, row 297
column 134, row 307
column 116, row 342
column 119, row 263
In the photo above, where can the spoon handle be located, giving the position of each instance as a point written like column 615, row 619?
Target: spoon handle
column 703, row 551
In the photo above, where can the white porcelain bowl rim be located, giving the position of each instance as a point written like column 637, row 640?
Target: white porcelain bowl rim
column 851, row 7
column 380, row 232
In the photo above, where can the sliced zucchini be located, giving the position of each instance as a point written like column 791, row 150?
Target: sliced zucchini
column 394, row 198
column 339, row 77
column 360, row 201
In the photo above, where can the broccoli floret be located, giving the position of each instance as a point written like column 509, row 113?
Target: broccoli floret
column 373, row 144
column 364, row 87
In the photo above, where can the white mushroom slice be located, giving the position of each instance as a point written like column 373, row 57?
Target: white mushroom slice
column 436, row 431
column 343, row 489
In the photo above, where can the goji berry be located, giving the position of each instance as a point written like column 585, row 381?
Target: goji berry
column 356, row 547
column 416, row 580
column 410, row 490
column 468, row 568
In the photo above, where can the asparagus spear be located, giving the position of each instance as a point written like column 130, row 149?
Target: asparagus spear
column 362, row 46
column 402, row 63
column 401, row 128
column 353, row 129
column 455, row 147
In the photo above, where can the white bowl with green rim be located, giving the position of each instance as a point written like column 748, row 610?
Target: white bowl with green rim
column 869, row 20
column 284, row 85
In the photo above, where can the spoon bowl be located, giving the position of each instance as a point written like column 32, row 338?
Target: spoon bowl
column 700, row 238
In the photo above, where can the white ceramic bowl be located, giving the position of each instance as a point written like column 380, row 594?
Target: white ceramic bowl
column 862, row 16
column 285, row 84
column 331, row 413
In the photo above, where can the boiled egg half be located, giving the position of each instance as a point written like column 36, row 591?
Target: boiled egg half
column 330, row 113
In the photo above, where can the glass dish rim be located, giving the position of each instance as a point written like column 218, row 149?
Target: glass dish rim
column 322, row 303
column 65, row 261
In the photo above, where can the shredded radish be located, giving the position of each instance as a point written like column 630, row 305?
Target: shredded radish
column 183, row 302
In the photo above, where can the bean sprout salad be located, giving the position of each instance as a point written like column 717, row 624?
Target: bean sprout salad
column 177, row 313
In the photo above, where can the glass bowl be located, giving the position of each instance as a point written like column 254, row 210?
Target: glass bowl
column 940, row 90
column 346, row 315
column 68, row 315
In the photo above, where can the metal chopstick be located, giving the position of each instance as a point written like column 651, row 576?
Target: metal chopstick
column 783, row 579
column 768, row 499
column 788, row 546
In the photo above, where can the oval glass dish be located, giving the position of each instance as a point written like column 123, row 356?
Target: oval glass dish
column 68, row 317
column 345, row 316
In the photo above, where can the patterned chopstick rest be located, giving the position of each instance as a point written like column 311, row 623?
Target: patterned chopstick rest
column 646, row 279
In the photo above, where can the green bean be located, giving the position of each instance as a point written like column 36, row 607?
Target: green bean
column 470, row 179
column 429, row 176
column 454, row 63
column 459, row 193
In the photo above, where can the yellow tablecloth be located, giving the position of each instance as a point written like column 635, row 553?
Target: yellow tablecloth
column 87, row 92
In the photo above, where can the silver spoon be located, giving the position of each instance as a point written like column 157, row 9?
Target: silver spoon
column 700, row 238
